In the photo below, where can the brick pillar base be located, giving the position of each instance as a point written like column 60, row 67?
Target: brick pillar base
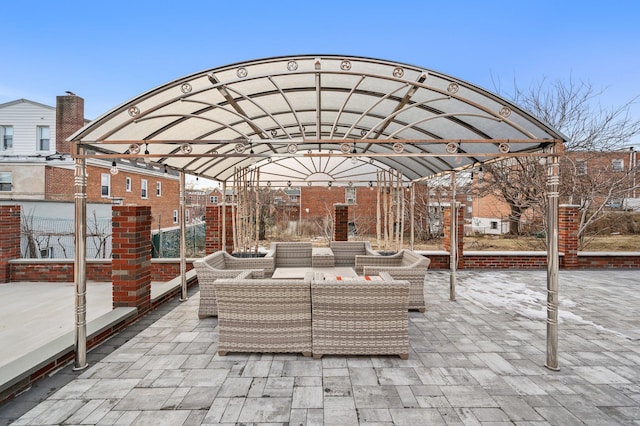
column 447, row 233
column 9, row 239
column 131, row 263
column 341, row 222
column 568, row 221
column 213, row 229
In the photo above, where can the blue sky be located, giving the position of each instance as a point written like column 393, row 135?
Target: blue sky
column 109, row 52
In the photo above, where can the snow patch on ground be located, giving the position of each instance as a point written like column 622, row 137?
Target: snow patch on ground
column 496, row 290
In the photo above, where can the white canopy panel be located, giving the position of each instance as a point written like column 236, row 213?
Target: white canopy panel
column 259, row 112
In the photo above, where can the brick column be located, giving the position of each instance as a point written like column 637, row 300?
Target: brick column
column 9, row 239
column 447, row 233
column 568, row 221
column 341, row 222
column 213, row 229
column 131, row 264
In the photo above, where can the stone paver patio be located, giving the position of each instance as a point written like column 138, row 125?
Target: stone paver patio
column 478, row 360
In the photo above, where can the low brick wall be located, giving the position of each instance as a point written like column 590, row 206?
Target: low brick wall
column 61, row 270
column 533, row 260
column 609, row 260
column 505, row 260
column 57, row 270
column 167, row 269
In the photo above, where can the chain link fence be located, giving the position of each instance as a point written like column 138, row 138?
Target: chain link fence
column 166, row 243
column 54, row 238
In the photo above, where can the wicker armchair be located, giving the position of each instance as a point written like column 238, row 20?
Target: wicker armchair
column 263, row 316
column 345, row 252
column 291, row 254
column 360, row 317
column 222, row 265
column 404, row 265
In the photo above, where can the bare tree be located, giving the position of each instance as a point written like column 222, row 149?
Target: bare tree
column 590, row 182
column 99, row 233
column 520, row 182
column 325, row 223
column 574, row 109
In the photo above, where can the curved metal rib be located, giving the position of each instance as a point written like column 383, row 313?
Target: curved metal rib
column 344, row 105
column 375, row 104
column 293, row 111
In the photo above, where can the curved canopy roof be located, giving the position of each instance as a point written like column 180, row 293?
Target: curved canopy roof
column 331, row 114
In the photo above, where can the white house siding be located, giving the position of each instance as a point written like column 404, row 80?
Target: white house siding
column 25, row 116
column 489, row 225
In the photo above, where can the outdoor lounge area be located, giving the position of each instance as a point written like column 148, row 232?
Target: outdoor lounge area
column 295, row 299
column 348, row 259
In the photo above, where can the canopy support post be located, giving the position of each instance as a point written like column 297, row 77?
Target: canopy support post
column 453, row 245
column 553, row 260
column 224, row 218
column 412, row 212
column 183, row 238
column 80, row 274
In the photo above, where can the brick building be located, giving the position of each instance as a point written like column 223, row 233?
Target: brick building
column 36, row 163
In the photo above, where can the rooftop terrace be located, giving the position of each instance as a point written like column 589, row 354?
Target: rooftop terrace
column 478, row 360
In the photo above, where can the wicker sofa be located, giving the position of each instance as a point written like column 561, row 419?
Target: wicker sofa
column 290, row 254
column 345, row 252
column 222, row 265
column 263, row 315
column 323, row 317
column 360, row 317
column 404, row 265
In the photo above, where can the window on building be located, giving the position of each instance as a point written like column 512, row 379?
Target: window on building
column 105, row 185
column 143, row 189
column 617, row 165
column 493, row 225
column 214, row 199
column 350, row 195
column 44, row 135
column 6, row 133
column 46, row 253
column 158, row 189
column 581, row 167
column 175, row 216
column 127, row 184
column 187, row 216
column 6, row 181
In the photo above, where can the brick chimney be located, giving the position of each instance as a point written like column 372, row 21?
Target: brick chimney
column 69, row 119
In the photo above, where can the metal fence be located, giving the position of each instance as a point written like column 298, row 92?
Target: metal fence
column 166, row 243
column 54, row 238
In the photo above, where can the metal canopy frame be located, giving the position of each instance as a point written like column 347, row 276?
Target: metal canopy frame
column 316, row 119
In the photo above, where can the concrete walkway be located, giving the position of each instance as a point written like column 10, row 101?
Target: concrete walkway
column 478, row 360
column 33, row 314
